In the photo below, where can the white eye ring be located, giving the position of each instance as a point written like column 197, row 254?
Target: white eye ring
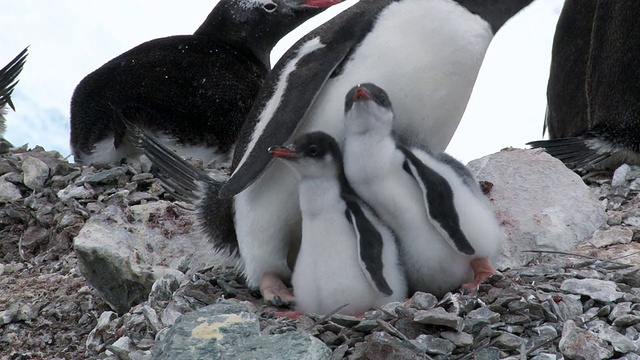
column 270, row 7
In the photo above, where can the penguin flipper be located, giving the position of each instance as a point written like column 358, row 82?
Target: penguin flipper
column 574, row 152
column 282, row 109
column 369, row 241
column 189, row 184
column 438, row 201
column 8, row 76
column 289, row 91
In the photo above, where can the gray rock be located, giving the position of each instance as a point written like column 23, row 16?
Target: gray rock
column 75, row 192
column 506, row 341
column 619, row 177
column 121, row 252
column 121, row 347
column 366, row 326
column 615, row 235
column 433, row 345
column 601, row 290
column 423, row 301
column 35, row 172
column 542, row 204
column 545, row 356
column 103, row 176
column 345, row 320
column 8, row 191
column 620, row 343
column 229, row 330
column 577, row 343
column 459, row 339
column 489, row 353
column 438, row 316
column 384, row 346
column 626, row 320
column 620, row 309
column 478, row 318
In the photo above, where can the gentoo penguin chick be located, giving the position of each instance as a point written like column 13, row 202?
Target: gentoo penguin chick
column 593, row 94
column 347, row 256
column 445, row 225
column 8, row 81
column 193, row 91
column 426, row 53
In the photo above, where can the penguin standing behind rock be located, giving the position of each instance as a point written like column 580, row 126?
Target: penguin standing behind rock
column 445, row 225
column 193, row 91
column 593, row 95
column 426, row 53
column 347, row 256
column 8, row 81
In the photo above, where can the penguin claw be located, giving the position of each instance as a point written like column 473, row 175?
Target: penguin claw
column 275, row 292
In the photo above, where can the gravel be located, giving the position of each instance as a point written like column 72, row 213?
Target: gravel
column 584, row 303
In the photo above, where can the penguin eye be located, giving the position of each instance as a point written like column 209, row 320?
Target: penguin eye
column 313, row 150
column 270, row 7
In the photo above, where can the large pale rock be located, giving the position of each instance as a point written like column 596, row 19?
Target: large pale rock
column 541, row 204
column 36, row 172
column 229, row 330
column 8, row 191
column 121, row 252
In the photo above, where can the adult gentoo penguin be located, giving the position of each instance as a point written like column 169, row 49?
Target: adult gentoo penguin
column 8, row 81
column 193, row 91
column 347, row 256
column 444, row 223
column 593, row 93
column 426, row 53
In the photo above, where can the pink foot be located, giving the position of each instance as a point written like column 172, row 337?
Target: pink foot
column 290, row 314
column 482, row 268
column 274, row 291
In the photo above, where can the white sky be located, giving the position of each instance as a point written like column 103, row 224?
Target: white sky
column 70, row 38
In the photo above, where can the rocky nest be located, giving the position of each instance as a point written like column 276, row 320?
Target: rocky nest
column 582, row 304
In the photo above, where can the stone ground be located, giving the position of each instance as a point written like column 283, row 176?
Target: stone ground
column 582, row 304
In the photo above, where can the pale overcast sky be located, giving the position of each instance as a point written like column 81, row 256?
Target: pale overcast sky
column 70, row 38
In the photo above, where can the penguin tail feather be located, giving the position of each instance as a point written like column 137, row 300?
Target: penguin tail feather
column 189, row 184
column 8, row 76
column 574, row 152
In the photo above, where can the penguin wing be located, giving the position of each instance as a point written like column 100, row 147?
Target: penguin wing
column 438, row 200
column 8, row 76
column 291, row 89
column 369, row 241
column 189, row 184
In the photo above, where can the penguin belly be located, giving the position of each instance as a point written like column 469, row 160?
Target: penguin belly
column 328, row 275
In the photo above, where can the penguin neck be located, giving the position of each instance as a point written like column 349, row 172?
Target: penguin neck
column 319, row 195
column 360, row 149
column 218, row 27
column 494, row 12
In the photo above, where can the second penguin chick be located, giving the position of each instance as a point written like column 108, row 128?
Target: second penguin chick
column 446, row 228
column 347, row 256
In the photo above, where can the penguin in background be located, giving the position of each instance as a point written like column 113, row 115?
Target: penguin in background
column 593, row 94
column 406, row 46
column 8, row 81
column 193, row 91
column 347, row 256
column 446, row 228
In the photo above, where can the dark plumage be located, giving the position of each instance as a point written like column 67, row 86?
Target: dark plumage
column 593, row 93
column 195, row 89
column 8, row 81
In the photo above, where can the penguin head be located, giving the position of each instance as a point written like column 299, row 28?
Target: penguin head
column 311, row 155
column 368, row 110
column 257, row 25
